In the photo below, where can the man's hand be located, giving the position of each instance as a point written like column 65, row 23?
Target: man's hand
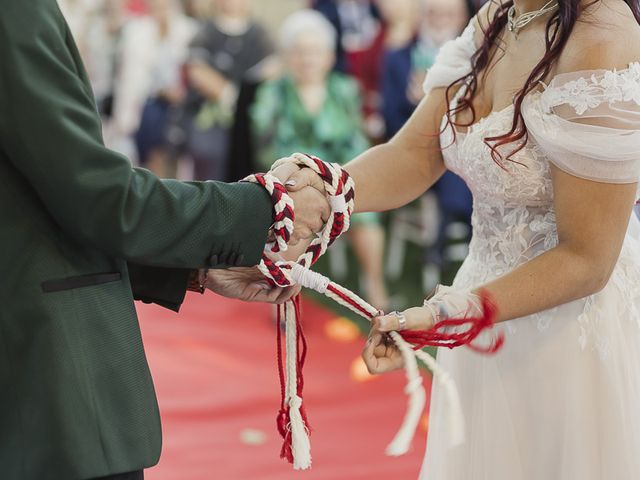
column 248, row 285
column 312, row 209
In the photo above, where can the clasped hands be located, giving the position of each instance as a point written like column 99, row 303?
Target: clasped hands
column 312, row 211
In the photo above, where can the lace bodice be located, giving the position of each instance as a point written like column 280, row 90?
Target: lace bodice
column 586, row 123
column 513, row 218
column 559, row 369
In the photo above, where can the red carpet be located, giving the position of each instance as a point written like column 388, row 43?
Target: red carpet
column 215, row 373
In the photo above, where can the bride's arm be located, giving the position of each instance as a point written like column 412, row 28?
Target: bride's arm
column 393, row 174
column 592, row 220
column 592, row 217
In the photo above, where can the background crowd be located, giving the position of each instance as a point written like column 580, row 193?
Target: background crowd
column 216, row 89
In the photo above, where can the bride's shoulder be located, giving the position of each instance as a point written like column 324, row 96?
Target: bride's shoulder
column 605, row 37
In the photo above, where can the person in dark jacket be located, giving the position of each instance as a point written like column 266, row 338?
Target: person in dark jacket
column 83, row 235
column 229, row 46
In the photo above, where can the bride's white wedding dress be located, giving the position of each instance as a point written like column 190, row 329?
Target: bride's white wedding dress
column 561, row 400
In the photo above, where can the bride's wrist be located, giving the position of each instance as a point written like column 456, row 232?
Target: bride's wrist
column 448, row 302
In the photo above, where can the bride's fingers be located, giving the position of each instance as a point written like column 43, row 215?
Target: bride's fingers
column 417, row 318
column 368, row 353
column 305, row 178
column 380, row 358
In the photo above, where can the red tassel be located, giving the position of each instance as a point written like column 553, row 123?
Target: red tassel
column 438, row 336
column 284, row 419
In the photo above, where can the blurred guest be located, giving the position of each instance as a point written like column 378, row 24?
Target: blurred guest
column 416, row 29
column 136, row 7
column 197, row 9
column 101, row 56
column 149, row 84
column 443, row 20
column 77, row 14
column 314, row 110
column 402, row 18
column 359, row 50
column 475, row 5
column 228, row 47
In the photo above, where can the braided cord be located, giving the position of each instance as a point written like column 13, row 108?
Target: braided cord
column 292, row 421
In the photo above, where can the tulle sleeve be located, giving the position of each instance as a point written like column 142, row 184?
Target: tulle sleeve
column 453, row 60
column 588, row 123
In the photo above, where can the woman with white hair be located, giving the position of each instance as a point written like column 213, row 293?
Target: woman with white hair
column 315, row 110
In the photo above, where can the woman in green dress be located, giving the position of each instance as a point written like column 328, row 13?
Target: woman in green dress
column 314, row 110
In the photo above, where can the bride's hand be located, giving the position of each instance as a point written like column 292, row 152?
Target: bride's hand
column 416, row 318
column 381, row 355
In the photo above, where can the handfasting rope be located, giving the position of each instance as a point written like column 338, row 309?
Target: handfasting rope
column 292, row 421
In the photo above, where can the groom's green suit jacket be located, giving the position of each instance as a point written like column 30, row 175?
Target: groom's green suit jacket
column 82, row 234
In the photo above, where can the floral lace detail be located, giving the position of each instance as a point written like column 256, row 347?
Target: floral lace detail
column 583, row 93
column 514, row 219
column 622, row 290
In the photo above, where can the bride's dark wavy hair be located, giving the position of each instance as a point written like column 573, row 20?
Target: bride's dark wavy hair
column 559, row 28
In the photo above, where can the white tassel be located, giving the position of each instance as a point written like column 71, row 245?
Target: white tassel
column 300, row 443
column 417, row 400
column 456, row 416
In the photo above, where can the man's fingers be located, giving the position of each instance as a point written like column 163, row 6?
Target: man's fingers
column 287, row 294
column 269, row 295
column 320, row 212
column 417, row 318
column 317, row 224
column 301, row 232
column 325, row 211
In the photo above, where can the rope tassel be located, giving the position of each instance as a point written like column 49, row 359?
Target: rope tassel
column 452, row 332
column 414, row 387
column 292, row 420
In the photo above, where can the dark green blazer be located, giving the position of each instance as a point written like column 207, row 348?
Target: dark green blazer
column 82, row 234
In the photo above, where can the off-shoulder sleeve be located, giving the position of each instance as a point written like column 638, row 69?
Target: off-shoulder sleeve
column 588, row 123
column 453, row 60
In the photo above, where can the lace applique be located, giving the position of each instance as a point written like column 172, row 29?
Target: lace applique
column 584, row 94
column 514, row 218
column 623, row 303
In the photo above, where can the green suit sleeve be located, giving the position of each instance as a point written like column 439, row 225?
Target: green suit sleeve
column 50, row 130
column 163, row 286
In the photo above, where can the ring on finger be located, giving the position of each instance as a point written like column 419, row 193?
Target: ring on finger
column 402, row 320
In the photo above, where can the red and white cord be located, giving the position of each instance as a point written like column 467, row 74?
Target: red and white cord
column 292, row 421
